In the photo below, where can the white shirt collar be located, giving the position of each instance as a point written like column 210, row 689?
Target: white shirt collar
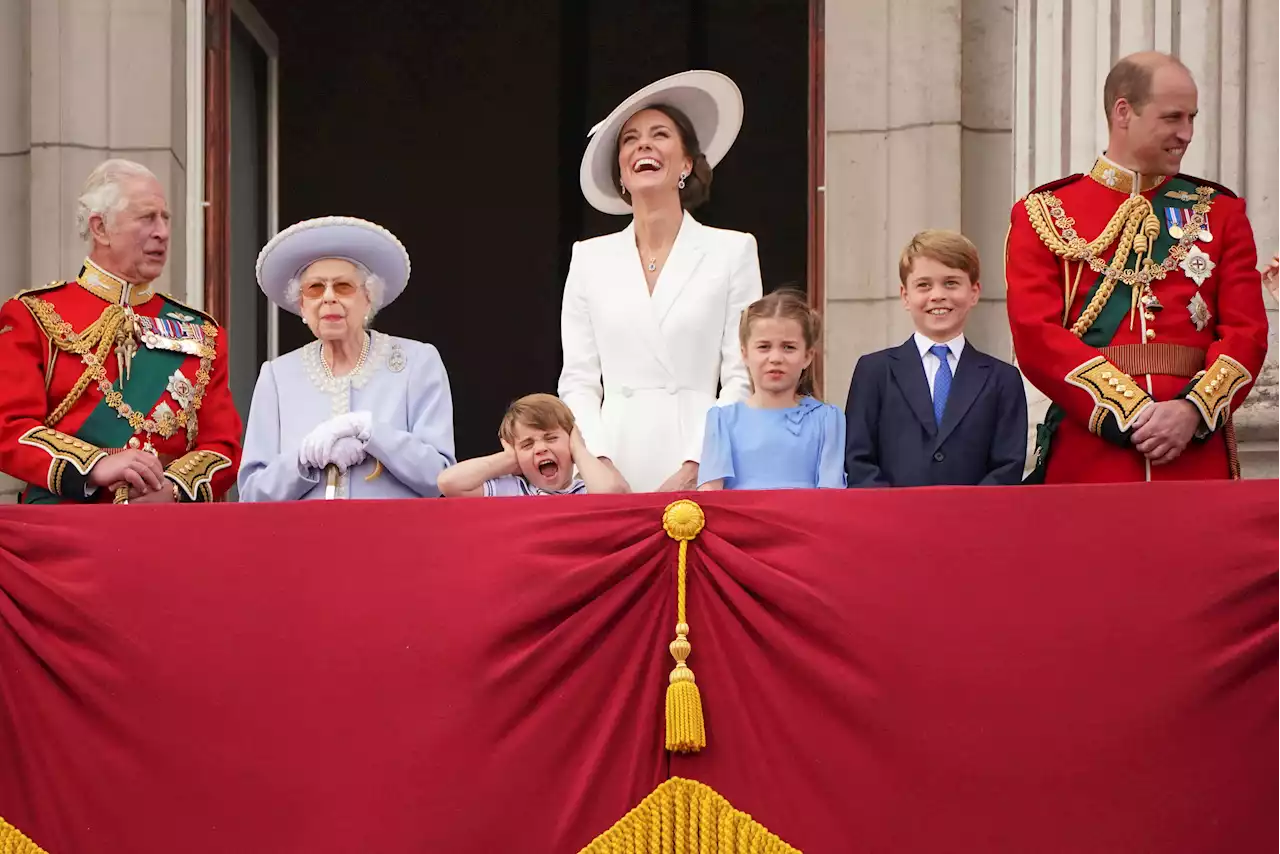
column 955, row 345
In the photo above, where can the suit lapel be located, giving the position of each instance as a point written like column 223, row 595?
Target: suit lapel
column 908, row 373
column 635, row 292
column 686, row 254
column 972, row 370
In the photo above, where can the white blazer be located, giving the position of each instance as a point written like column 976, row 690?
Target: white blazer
column 640, row 371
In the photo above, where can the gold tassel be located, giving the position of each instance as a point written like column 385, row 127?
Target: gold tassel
column 686, row 817
column 13, row 841
column 683, row 520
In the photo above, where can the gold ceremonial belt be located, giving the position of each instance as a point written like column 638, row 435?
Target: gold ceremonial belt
column 1175, row 360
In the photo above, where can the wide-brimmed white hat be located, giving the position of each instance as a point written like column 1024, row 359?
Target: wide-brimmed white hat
column 713, row 104
column 303, row 243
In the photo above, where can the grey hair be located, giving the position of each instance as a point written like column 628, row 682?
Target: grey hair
column 102, row 196
column 373, row 285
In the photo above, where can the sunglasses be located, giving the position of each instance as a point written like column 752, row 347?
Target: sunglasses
column 315, row 290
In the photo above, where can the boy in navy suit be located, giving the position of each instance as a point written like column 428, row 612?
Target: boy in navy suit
column 936, row 410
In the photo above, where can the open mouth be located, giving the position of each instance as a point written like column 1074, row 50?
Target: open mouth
column 548, row 469
column 646, row 164
column 939, row 312
column 1176, row 152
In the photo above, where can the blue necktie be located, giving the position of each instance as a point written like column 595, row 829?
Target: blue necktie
column 941, row 382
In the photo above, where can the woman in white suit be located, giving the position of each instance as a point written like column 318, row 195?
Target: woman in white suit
column 649, row 324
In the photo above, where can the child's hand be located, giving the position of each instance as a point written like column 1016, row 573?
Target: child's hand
column 577, row 446
column 513, row 464
column 1271, row 276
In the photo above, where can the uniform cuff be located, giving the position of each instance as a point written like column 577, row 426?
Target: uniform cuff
column 1211, row 391
column 193, row 473
column 68, row 474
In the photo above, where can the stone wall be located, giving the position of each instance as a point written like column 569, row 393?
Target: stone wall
column 919, row 134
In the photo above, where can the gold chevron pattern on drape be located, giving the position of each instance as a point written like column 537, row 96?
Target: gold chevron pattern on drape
column 687, row 817
column 14, row 841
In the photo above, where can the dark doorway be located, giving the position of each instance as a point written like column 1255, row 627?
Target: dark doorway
column 460, row 127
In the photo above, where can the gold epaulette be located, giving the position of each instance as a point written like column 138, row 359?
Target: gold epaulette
column 206, row 315
column 55, row 284
column 1053, row 185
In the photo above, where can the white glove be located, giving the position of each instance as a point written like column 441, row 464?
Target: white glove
column 316, row 450
column 348, row 452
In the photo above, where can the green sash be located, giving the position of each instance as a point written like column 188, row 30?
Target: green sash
column 148, row 379
column 1115, row 312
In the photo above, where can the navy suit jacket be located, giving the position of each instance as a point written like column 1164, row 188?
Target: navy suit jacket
column 892, row 438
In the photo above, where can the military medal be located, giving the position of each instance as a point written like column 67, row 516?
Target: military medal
column 1205, row 235
column 1199, row 311
column 181, row 389
column 1197, row 265
column 1173, row 221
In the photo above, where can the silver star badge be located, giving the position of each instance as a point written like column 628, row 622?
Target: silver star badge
column 1197, row 265
column 1199, row 311
column 181, row 389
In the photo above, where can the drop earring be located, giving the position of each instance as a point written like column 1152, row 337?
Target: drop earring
column 683, row 175
column 622, row 188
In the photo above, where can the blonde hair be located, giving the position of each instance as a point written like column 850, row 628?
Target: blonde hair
column 790, row 304
column 949, row 248
column 537, row 411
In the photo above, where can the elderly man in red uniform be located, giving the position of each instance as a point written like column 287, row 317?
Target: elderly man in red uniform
column 110, row 391
column 1134, row 298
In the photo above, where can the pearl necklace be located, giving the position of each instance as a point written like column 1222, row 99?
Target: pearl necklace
column 364, row 354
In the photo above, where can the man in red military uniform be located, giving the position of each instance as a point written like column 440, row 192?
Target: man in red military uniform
column 110, row 391
column 1134, row 298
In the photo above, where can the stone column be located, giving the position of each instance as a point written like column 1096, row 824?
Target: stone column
column 1064, row 49
column 918, row 135
column 81, row 81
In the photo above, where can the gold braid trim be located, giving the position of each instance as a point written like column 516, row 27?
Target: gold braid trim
column 1136, row 225
column 196, row 470
column 687, row 817
column 13, row 841
column 683, row 520
column 62, row 446
column 1212, row 393
column 102, row 334
column 1112, row 391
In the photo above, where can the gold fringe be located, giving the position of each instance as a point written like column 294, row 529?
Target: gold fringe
column 686, row 733
column 687, row 817
column 13, row 841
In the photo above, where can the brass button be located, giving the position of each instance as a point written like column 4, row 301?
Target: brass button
column 1149, row 316
column 1151, row 333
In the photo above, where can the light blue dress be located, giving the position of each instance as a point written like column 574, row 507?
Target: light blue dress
column 402, row 382
column 797, row 448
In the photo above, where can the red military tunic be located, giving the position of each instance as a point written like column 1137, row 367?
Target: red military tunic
column 1101, row 354
column 63, row 406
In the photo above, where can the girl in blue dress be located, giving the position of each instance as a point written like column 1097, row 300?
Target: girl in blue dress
column 781, row 437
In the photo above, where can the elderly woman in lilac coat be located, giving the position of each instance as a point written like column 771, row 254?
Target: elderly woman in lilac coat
column 355, row 413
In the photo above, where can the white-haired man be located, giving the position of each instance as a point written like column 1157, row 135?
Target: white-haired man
column 111, row 391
